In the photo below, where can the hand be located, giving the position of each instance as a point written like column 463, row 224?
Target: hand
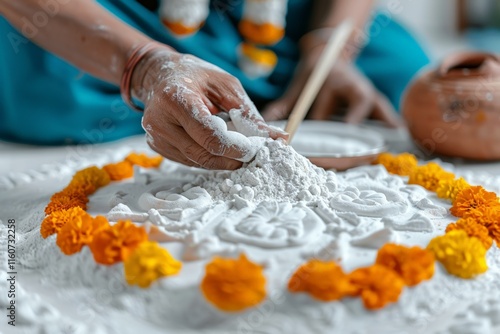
column 182, row 94
column 344, row 84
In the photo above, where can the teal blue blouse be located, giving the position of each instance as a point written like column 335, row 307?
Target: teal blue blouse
column 44, row 100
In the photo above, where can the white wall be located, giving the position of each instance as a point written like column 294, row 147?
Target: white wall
column 426, row 16
column 434, row 22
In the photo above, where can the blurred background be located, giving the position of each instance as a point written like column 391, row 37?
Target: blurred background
column 446, row 26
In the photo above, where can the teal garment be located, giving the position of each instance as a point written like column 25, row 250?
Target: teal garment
column 391, row 58
column 44, row 100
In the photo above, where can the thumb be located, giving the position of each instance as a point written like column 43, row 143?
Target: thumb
column 244, row 115
column 277, row 110
column 385, row 112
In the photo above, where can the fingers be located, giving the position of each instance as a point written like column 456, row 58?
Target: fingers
column 384, row 111
column 324, row 106
column 165, row 149
column 195, row 152
column 188, row 152
column 277, row 110
column 231, row 97
column 361, row 101
column 170, row 152
column 211, row 133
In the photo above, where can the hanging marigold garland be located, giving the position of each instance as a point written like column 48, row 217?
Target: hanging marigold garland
column 262, row 25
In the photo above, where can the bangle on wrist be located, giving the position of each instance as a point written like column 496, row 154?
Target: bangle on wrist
column 126, row 82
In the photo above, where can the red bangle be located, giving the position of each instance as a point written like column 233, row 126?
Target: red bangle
column 126, row 82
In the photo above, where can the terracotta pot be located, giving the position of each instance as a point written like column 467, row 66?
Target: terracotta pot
column 455, row 110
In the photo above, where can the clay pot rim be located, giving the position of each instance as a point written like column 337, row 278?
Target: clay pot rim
column 431, row 78
column 490, row 65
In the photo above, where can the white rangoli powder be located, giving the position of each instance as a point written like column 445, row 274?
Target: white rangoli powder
column 295, row 212
column 277, row 172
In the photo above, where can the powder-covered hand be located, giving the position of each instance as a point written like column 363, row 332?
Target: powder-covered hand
column 344, row 85
column 182, row 94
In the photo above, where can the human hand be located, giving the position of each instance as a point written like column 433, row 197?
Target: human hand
column 344, row 85
column 182, row 94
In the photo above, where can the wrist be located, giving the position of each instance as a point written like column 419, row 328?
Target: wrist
column 142, row 67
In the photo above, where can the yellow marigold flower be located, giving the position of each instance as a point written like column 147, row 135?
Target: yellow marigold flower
column 473, row 229
column 119, row 171
column 53, row 223
column 324, row 281
column 116, row 243
column 402, row 164
column 79, row 232
column 460, row 254
column 65, row 200
column 233, row 284
column 413, row 264
column 144, row 161
column 90, row 179
column 473, row 200
column 377, row 285
column 149, row 262
column 449, row 189
column 429, row 176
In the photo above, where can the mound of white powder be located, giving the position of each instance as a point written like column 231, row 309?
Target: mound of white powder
column 277, row 172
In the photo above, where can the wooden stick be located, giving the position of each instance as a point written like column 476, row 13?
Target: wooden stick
column 317, row 78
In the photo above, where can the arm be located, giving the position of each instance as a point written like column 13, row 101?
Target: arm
column 181, row 93
column 329, row 14
column 80, row 31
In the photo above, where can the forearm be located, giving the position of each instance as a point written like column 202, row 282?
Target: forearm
column 79, row 31
column 331, row 13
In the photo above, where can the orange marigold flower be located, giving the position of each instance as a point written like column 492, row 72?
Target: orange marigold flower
column 402, row 164
column 53, row 223
column 325, row 281
column 149, row 262
column 79, row 232
column 494, row 231
column 65, row 200
column 71, row 191
column 261, row 33
column 233, row 284
column 429, row 176
column 449, row 189
column 473, row 229
column 488, row 217
column 119, row 171
column 90, row 179
column 460, row 254
column 116, row 243
column 144, row 161
column 377, row 285
column 413, row 264
column 79, row 189
column 473, row 200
